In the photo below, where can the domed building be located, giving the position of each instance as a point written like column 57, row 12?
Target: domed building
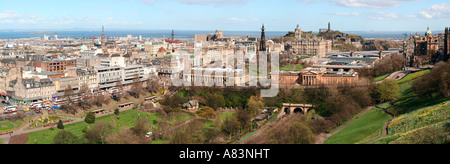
column 83, row 48
column 424, row 47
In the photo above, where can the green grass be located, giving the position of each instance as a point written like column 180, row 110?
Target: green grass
column 371, row 123
column 413, row 76
column 380, row 78
column 127, row 118
column 225, row 115
column 408, row 100
column 413, row 113
column 290, row 67
column 6, row 125
column 383, row 106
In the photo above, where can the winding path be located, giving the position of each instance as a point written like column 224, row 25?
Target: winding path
column 385, row 128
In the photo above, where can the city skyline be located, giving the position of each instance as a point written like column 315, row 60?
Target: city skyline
column 234, row 15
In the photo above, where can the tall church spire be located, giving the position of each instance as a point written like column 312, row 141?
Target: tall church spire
column 262, row 43
column 103, row 40
column 173, row 34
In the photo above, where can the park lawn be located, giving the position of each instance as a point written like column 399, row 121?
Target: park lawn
column 6, row 125
column 413, row 76
column 127, row 118
column 384, row 105
column 225, row 115
column 371, row 123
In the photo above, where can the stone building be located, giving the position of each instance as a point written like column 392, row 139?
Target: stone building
column 55, row 65
column 85, row 76
column 31, row 90
column 7, row 75
column 318, row 76
column 214, row 77
column 424, row 47
column 313, row 46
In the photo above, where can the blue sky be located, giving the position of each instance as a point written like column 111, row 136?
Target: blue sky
column 228, row 15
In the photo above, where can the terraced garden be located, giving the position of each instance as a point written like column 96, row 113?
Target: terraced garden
column 127, row 118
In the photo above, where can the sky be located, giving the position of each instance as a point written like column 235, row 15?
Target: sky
column 226, row 15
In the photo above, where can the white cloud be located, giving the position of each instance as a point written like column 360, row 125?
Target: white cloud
column 348, row 14
column 372, row 4
column 201, row 2
column 436, row 11
column 9, row 14
column 9, row 17
column 242, row 20
column 382, row 16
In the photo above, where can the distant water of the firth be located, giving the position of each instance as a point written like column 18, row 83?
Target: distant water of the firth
column 179, row 34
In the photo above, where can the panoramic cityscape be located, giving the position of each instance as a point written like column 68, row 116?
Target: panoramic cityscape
column 225, row 72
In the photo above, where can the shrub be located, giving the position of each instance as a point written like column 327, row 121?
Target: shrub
column 60, row 125
column 90, row 118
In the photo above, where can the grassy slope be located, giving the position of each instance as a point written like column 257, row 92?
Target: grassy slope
column 413, row 76
column 380, row 78
column 372, row 122
column 414, row 113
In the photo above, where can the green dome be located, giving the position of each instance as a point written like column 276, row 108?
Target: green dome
column 83, row 47
column 428, row 31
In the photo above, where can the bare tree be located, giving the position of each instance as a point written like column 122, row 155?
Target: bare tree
column 136, row 87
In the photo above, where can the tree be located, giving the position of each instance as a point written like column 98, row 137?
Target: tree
column 387, row 90
column 152, row 85
column 124, row 136
column 60, row 125
column 243, row 117
column 290, row 131
column 65, row 137
column 230, row 124
column 142, row 127
column 136, row 86
column 68, row 92
column 90, row 118
column 255, row 103
column 84, row 91
column 207, row 113
column 119, row 87
column 98, row 133
column 68, row 107
column 434, row 83
column 117, row 112
column 215, row 100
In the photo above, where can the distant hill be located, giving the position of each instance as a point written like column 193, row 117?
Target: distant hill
column 42, row 32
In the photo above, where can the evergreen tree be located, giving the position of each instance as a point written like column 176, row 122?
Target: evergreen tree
column 60, row 125
column 90, row 118
column 117, row 112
